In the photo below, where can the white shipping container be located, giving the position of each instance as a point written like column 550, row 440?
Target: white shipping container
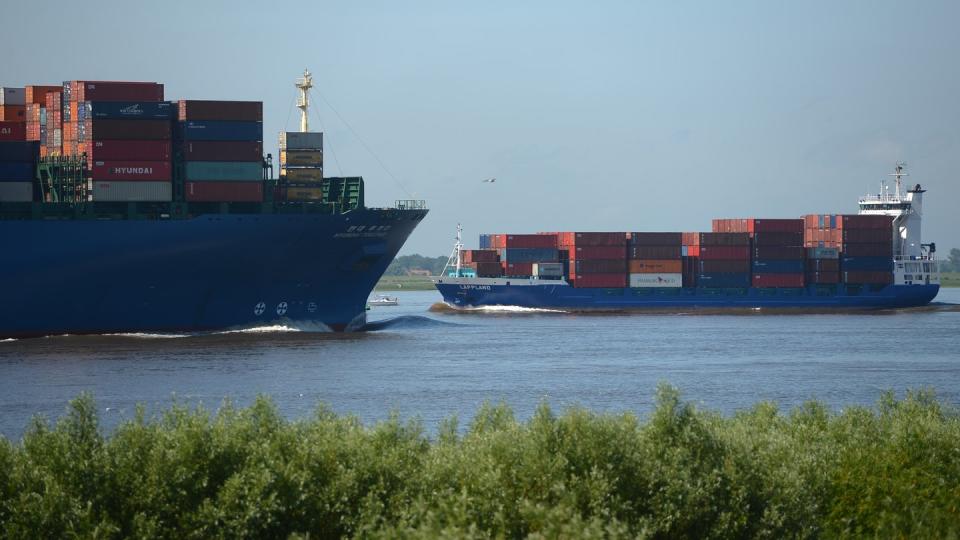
column 296, row 140
column 13, row 96
column 656, row 280
column 16, row 191
column 136, row 191
column 548, row 269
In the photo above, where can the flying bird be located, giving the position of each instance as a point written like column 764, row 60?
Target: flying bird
column 490, row 180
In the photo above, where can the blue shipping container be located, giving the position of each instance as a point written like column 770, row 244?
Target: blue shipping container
column 220, row 131
column 484, row 241
column 223, row 170
column 823, row 253
column 119, row 110
column 867, row 264
column 17, row 171
column 723, row 279
column 530, row 255
column 778, row 266
column 19, row 151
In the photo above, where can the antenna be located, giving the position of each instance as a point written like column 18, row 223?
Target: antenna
column 304, row 84
column 898, row 172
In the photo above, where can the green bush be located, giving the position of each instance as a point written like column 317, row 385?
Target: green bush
column 888, row 471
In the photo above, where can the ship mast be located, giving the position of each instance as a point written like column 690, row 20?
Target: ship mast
column 304, row 84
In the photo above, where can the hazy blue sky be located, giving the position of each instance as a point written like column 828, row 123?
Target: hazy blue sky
column 592, row 116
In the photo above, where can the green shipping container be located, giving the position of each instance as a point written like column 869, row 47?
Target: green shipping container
column 234, row 171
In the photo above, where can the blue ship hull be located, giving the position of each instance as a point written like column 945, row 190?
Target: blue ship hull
column 466, row 293
column 207, row 273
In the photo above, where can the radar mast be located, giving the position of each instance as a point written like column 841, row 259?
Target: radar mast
column 304, row 84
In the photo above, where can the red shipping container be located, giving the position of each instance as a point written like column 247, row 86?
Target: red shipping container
column 822, row 278
column 778, row 252
column 598, row 266
column 725, row 252
column 517, row 269
column 724, row 239
column 593, row 239
column 778, row 280
column 224, row 191
column 116, row 91
column 479, row 255
column 778, row 239
column 871, row 278
column 600, row 280
column 692, row 251
column 690, row 238
column 884, row 249
column 487, row 269
column 107, row 150
column 234, row 111
column 654, row 252
column 13, row 131
column 823, row 265
column 530, row 241
column 857, row 221
column 13, row 113
column 131, row 170
column 867, row 236
column 223, row 151
column 127, row 130
column 654, row 239
column 598, row 252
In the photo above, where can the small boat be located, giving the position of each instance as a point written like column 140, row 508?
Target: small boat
column 384, row 300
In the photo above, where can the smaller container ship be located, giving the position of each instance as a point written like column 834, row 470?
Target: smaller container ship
column 874, row 259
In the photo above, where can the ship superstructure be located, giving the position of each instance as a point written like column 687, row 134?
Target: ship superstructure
column 915, row 262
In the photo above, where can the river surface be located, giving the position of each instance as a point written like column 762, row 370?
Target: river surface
column 433, row 364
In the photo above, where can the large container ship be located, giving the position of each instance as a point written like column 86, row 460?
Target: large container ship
column 872, row 259
column 122, row 212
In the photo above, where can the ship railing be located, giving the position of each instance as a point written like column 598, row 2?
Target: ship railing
column 411, row 204
column 882, row 198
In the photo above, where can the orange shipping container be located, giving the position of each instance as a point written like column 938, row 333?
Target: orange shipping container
column 38, row 94
column 655, row 266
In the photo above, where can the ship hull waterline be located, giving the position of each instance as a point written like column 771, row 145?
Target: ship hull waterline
column 475, row 293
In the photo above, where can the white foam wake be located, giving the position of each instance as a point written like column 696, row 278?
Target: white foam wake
column 146, row 335
column 510, row 309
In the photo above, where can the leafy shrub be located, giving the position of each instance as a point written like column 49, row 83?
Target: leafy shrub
column 888, row 471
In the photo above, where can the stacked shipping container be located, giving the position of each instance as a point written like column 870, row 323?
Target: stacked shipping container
column 485, row 262
column 301, row 166
column 18, row 158
column 724, row 260
column 654, row 259
column 865, row 244
column 520, row 252
column 777, row 254
column 221, row 145
column 123, row 129
column 596, row 259
column 13, row 104
column 36, row 122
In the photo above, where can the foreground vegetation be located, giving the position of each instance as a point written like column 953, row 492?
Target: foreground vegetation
column 888, row 471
